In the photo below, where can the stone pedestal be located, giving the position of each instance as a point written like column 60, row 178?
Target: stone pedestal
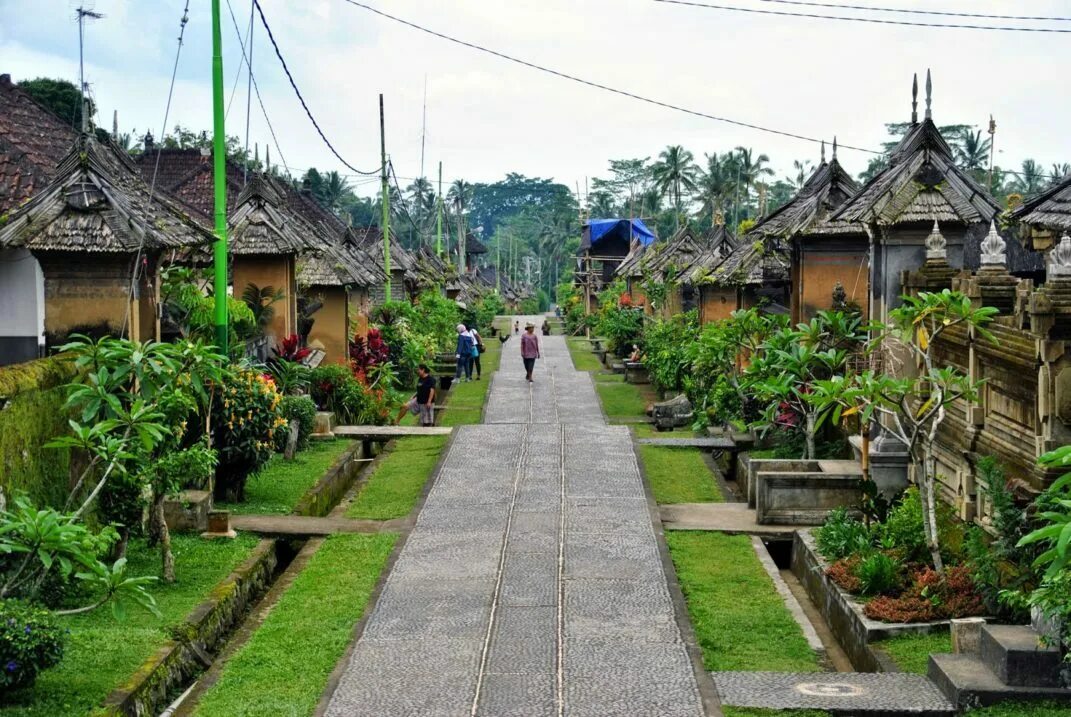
column 966, row 635
column 324, row 425
column 219, row 525
column 188, row 511
column 889, row 464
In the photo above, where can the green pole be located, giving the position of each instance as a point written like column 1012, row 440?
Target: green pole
column 439, row 221
column 498, row 266
column 219, row 180
column 385, row 222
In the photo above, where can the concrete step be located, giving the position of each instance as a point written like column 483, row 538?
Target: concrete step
column 968, row 683
column 1014, row 654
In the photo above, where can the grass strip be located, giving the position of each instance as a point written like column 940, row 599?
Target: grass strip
column 621, row 400
column 282, row 483
column 103, row 653
column 740, row 621
column 911, row 652
column 1023, row 709
column 397, row 481
column 285, row 665
column 583, row 358
column 679, row 475
column 763, row 712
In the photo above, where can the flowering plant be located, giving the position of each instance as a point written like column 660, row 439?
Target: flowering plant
column 30, row 642
column 246, row 419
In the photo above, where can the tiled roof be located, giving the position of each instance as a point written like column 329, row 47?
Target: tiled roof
column 33, row 142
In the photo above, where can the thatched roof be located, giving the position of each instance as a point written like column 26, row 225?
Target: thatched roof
column 719, row 243
column 97, row 202
column 474, row 245
column 33, row 142
column 828, row 187
column 259, row 223
column 1049, row 210
column 757, row 259
column 921, row 184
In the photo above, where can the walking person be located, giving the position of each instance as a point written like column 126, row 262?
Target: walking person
column 516, row 327
column 423, row 401
column 463, row 353
column 529, row 349
column 478, row 350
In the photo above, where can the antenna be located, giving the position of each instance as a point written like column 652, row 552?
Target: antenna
column 82, row 12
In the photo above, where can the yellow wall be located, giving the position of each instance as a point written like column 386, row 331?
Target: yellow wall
column 819, row 273
column 277, row 272
column 716, row 303
column 330, row 328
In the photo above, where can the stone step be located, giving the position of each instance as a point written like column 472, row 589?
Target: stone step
column 1014, row 654
column 967, row 682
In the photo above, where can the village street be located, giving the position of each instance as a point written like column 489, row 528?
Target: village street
column 533, row 582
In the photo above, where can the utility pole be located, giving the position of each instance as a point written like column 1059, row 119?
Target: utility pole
column 219, row 181
column 460, row 203
column 992, row 141
column 439, row 219
column 83, row 13
column 498, row 265
column 385, row 220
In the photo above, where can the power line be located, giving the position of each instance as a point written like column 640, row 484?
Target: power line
column 279, row 54
column 590, row 83
column 872, row 20
column 256, row 88
column 836, row 6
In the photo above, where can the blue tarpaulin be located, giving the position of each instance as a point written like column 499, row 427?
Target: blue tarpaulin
column 601, row 227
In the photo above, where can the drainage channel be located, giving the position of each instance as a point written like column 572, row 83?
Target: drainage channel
column 833, row 656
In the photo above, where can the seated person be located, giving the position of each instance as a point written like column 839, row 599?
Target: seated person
column 636, row 356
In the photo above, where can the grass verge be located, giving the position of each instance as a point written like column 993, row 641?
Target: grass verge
column 284, row 667
column 911, row 653
column 757, row 633
column 1023, row 709
column 103, row 652
column 397, row 481
column 679, row 475
column 762, row 712
column 282, row 483
column 583, row 358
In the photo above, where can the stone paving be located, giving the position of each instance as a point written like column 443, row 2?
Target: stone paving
column 847, row 693
column 532, row 582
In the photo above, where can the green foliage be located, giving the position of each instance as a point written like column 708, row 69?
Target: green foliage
column 261, row 301
column 303, row 410
column 903, row 529
column 30, row 642
column 667, row 350
column 486, row 308
column 842, row 535
column 60, row 97
column 184, row 468
column 184, row 294
column 32, row 397
column 247, row 416
column 334, row 388
column 280, row 486
column 878, row 573
column 529, row 306
column 622, row 326
column 290, row 377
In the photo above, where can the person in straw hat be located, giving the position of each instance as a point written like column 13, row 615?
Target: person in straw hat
column 529, row 349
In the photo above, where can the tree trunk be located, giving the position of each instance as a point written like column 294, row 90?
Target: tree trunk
column 927, row 498
column 810, row 430
column 166, row 556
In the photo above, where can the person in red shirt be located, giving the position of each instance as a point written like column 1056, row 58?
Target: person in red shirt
column 529, row 349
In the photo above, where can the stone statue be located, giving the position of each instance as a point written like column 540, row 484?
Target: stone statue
column 1060, row 258
column 936, row 246
column 993, row 249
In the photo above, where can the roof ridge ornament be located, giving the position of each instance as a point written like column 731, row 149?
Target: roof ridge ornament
column 914, row 99
column 823, row 155
column 994, row 249
column 929, row 95
column 937, row 246
column 834, row 147
column 1060, row 258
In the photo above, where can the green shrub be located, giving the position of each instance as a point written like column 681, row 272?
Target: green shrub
column 245, row 421
column 842, row 535
column 335, row 389
column 187, row 468
column 30, row 642
column 303, row 410
column 666, row 350
column 903, row 531
column 878, row 573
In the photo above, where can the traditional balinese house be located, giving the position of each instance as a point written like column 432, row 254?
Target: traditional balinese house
column 824, row 253
column 475, row 251
column 1046, row 218
column 604, row 244
column 718, row 244
column 33, row 142
column 97, row 233
column 756, row 273
column 662, row 263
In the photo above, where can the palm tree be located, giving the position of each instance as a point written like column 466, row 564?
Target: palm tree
column 460, row 195
column 673, row 173
column 803, row 170
column 1029, row 181
column 715, row 184
column 1059, row 172
column 971, row 150
column 422, row 204
column 750, row 169
column 333, row 189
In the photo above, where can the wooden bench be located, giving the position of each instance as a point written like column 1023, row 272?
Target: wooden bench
column 369, row 435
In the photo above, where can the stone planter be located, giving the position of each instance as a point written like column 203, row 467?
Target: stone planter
column 800, row 492
column 188, row 511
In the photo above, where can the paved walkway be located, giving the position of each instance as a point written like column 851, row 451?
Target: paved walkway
column 532, row 582
column 847, row 693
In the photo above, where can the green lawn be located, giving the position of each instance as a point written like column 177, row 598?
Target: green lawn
column 647, row 430
column 398, row 479
column 282, row 483
column 103, row 653
column 583, row 358
column 911, row 653
column 1023, row 709
column 620, row 400
column 679, row 475
column 740, row 621
column 283, row 669
column 761, row 712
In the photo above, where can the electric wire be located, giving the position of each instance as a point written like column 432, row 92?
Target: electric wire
column 256, row 88
column 597, row 85
column 234, row 87
column 279, row 54
column 872, row 20
column 945, row 13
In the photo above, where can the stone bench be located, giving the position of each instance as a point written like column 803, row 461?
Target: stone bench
column 636, row 372
column 369, row 435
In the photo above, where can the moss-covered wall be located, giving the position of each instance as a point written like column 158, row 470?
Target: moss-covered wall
column 31, row 414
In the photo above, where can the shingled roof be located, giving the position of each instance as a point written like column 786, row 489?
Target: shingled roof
column 718, row 243
column 1049, row 210
column 828, row 187
column 33, row 142
column 921, row 184
column 258, row 224
column 98, row 203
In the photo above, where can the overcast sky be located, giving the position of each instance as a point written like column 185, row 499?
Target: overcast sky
column 487, row 116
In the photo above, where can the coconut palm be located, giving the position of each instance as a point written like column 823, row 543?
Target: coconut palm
column 972, row 151
column 802, row 170
column 715, row 183
column 1059, row 172
column 333, row 189
column 1030, row 180
column 674, row 173
column 749, row 170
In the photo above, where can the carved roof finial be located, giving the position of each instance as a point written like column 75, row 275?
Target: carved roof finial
column 936, row 246
column 929, row 95
column 1060, row 258
column 993, row 249
column 915, row 99
column 267, row 159
column 834, row 146
column 823, row 157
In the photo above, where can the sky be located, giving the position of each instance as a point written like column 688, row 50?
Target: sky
column 486, row 116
